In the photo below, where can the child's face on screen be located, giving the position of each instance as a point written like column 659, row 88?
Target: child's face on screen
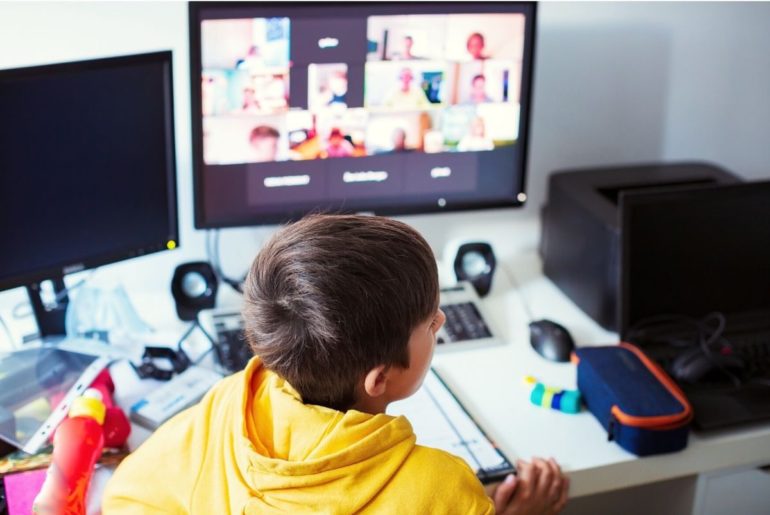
column 265, row 148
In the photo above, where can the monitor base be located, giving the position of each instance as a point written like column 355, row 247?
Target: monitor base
column 50, row 319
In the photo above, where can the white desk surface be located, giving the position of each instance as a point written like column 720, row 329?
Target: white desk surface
column 488, row 382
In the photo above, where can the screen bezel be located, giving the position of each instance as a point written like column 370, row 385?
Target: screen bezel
column 268, row 9
column 122, row 253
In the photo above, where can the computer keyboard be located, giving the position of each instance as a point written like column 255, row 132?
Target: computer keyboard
column 465, row 325
column 232, row 350
column 463, row 322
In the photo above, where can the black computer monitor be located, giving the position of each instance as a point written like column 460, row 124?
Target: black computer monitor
column 391, row 108
column 87, row 168
column 696, row 250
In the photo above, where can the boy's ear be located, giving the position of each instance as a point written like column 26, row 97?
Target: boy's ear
column 376, row 380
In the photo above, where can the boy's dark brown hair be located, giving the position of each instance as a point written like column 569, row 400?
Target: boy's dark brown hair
column 330, row 297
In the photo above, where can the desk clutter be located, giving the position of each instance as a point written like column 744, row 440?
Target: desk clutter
column 442, row 422
column 293, row 112
column 674, row 258
column 77, row 445
column 181, row 392
column 583, row 238
column 640, row 407
column 566, row 401
column 94, row 430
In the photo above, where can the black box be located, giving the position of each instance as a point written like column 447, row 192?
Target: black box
column 580, row 240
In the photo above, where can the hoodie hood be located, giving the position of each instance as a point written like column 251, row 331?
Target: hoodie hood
column 294, row 456
column 252, row 447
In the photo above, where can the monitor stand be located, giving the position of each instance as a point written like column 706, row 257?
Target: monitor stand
column 50, row 319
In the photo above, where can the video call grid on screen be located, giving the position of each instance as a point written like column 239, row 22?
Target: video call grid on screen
column 358, row 107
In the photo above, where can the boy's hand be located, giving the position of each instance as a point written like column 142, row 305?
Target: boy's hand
column 540, row 488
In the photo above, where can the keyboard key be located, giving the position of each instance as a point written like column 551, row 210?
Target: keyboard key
column 464, row 322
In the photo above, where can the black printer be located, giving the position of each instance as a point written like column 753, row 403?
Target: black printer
column 580, row 241
column 675, row 259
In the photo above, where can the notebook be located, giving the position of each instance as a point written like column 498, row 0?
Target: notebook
column 440, row 421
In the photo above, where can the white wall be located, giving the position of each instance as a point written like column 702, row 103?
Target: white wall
column 614, row 83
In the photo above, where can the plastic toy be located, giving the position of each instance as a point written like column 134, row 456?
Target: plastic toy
column 566, row 401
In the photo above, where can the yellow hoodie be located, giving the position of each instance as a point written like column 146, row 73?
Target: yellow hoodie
column 251, row 446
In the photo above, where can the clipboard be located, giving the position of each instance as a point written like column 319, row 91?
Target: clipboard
column 37, row 385
column 442, row 422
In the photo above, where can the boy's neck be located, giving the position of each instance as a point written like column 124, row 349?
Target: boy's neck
column 371, row 405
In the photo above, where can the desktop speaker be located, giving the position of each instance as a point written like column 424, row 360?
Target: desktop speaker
column 475, row 262
column 194, row 287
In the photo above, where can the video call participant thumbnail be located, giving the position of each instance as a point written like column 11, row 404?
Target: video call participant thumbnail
column 264, row 143
column 337, row 145
column 407, row 94
column 478, row 93
column 475, row 46
column 476, row 139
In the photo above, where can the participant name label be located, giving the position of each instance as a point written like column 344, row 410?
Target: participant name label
column 365, row 176
column 286, row 180
column 439, row 172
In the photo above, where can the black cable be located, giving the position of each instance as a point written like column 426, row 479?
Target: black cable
column 185, row 335
column 664, row 329
column 233, row 283
column 663, row 323
column 667, row 328
column 207, row 246
column 216, row 249
column 718, row 331
column 214, row 257
column 203, row 356
column 197, row 323
column 717, row 336
column 210, row 254
column 517, row 287
column 205, row 332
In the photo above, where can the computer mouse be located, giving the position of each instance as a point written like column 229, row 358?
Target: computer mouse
column 695, row 366
column 551, row 340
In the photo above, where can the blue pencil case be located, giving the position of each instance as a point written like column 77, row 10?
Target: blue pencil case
column 639, row 405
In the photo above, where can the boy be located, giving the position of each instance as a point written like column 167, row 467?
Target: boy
column 342, row 313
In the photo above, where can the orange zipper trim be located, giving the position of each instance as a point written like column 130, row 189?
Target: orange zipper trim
column 660, row 422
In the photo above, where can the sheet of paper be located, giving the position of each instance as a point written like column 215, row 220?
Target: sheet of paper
column 440, row 421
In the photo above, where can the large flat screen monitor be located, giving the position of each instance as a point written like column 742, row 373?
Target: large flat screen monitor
column 87, row 165
column 390, row 108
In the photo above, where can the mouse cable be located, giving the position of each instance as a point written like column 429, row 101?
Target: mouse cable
column 711, row 335
column 667, row 329
column 213, row 255
column 661, row 326
column 197, row 324
column 211, row 340
column 184, row 336
column 205, row 332
column 516, row 286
